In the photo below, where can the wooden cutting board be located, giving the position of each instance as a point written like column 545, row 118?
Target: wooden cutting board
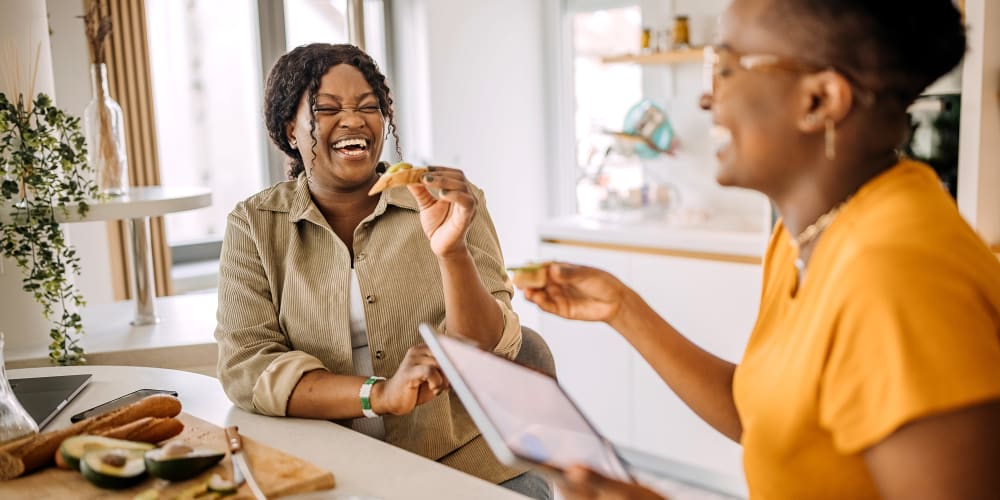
column 277, row 473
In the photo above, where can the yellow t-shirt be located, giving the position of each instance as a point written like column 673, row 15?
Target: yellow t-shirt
column 898, row 318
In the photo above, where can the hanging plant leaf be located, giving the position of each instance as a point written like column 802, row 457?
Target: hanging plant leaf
column 44, row 173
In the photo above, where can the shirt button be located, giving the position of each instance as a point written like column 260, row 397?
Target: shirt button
column 379, row 354
column 361, row 256
column 370, row 299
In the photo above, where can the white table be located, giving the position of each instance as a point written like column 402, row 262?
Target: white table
column 137, row 206
column 361, row 465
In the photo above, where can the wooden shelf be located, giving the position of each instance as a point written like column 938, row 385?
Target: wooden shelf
column 673, row 57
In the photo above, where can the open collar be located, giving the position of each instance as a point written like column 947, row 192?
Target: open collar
column 293, row 197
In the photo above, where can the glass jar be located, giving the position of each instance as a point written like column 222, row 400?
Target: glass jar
column 14, row 420
column 682, row 32
column 104, row 126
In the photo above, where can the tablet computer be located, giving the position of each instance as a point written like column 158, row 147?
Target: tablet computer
column 44, row 397
column 525, row 416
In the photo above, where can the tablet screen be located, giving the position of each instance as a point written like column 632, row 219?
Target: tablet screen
column 529, row 410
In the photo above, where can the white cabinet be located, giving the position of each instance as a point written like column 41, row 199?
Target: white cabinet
column 713, row 303
column 593, row 362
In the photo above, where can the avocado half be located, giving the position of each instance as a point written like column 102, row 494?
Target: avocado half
column 113, row 469
column 178, row 467
column 74, row 448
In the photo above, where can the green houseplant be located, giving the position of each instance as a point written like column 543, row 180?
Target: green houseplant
column 44, row 175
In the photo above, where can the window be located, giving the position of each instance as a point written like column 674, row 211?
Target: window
column 208, row 60
column 207, row 94
column 602, row 93
column 308, row 21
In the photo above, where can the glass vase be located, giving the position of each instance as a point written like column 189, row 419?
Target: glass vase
column 104, row 126
column 14, row 420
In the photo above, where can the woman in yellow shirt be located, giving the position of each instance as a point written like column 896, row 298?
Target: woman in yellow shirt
column 874, row 367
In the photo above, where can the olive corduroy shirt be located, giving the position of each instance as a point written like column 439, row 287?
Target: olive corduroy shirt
column 283, row 309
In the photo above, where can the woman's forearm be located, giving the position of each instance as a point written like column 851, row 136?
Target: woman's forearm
column 324, row 395
column 471, row 310
column 703, row 380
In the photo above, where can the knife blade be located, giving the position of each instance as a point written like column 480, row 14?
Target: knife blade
column 241, row 467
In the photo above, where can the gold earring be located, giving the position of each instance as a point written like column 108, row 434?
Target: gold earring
column 831, row 139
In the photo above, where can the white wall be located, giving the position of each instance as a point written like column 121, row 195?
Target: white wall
column 471, row 82
column 979, row 149
column 71, row 68
column 63, row 74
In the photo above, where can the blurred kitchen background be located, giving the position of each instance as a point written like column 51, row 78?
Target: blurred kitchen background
column 580, row 120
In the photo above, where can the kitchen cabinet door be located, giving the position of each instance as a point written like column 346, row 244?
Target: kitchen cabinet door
column 593, row 362
column 714, row 304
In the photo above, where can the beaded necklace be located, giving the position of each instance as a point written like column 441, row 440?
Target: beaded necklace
column 809, row 234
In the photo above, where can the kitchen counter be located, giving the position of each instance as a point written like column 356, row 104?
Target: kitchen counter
column 724, row 240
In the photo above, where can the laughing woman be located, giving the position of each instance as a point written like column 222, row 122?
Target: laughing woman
column 874, row 367
column 321, row 286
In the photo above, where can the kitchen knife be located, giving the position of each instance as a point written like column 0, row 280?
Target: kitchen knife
column 241, row 468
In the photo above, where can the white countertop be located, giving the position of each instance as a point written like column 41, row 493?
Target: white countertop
column 188, row 321
column 186, row 331
column 712, row 237
column 360, row 464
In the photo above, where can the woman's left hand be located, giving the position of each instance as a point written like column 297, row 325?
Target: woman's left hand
column 580, row 483
column 445, row 219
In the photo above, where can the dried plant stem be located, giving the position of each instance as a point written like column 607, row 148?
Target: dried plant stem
column 97, row 26
column 25, row 96
column 110, row 176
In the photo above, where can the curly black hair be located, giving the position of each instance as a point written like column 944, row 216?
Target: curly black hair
column 895, row 48
column 300, row 70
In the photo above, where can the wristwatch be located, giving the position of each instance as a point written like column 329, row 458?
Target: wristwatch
column 365, row 394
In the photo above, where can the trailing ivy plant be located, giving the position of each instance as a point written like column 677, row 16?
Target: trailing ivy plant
column 44, row 172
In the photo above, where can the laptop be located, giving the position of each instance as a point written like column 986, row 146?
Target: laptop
column 526, row 418
column 45, row 397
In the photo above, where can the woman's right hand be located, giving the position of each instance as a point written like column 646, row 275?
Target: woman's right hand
column 579, row 292
column 580, row 483
column 417, row 381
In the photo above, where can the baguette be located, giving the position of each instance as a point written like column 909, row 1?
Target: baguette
column 146, row 430
column 10, row 466
column 39, row 450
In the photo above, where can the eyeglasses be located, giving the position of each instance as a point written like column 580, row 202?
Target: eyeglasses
column 720, row 62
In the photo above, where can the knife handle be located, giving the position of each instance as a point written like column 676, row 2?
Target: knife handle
column 234, row 439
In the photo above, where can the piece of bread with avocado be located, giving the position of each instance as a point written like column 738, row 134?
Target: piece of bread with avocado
column 399, row 174
column 532, row 275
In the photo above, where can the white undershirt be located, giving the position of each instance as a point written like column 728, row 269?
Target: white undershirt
column 361, row 356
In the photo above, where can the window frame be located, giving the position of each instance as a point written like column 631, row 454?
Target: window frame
column 565, row 173
column 271, row 44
